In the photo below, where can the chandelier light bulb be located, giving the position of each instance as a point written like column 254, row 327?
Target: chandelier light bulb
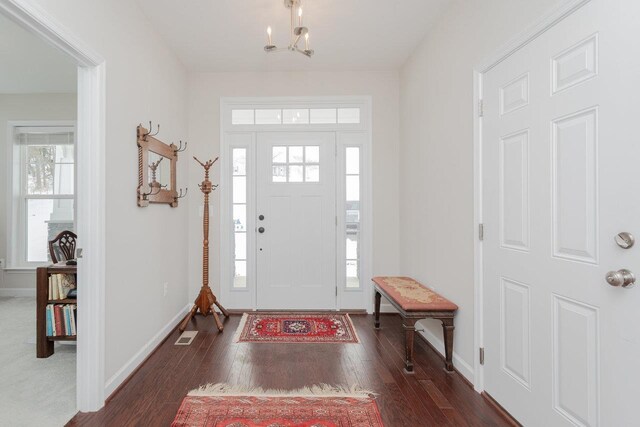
column 300, row 16
column 269, row 36
column 306, row 41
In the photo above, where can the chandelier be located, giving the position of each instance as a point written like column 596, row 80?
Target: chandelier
column 297, row 32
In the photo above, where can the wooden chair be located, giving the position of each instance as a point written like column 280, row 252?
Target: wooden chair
column 63, row 247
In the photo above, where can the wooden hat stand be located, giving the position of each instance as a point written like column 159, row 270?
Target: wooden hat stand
column 206, row 299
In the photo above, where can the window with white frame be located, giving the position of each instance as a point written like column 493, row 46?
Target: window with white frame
column 352, row 216
column 295, row 116
column 240, row 217
column 43, row 190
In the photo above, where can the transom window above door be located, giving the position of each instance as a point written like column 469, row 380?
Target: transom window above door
column 295, row 116
column 296, row 163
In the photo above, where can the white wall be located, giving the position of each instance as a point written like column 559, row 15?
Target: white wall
column 145, row 246
column 436, row 150
column 17, row 107
column 205, row 91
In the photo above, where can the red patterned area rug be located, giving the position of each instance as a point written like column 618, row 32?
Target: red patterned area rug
column 296, row 328
column 220, row 405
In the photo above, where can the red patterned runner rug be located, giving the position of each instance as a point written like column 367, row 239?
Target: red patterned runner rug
column 296, row 328
column 220, row 405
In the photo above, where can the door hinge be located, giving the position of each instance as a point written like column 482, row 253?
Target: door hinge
column 482, row 355
column 336, row 290
column 481, row 108
column 481, row 232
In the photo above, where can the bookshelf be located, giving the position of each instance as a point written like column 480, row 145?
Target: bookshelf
column 44, row 343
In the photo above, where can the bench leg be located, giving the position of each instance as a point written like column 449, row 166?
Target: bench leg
column 377, row 310
column 447, row 334
column 409, row 326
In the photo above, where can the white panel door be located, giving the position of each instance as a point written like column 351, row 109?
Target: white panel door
column 561, row 149
column 296, row 209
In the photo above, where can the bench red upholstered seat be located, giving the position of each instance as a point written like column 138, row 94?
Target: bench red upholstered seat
column 415, row 301
column 413, row 296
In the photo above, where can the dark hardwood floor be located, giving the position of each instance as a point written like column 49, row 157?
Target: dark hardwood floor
column 430, row 397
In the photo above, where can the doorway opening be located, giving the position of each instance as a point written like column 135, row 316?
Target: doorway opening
column 88, row 211
column 296, row 203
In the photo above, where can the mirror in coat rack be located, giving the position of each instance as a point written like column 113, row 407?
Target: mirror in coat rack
column 157, row 169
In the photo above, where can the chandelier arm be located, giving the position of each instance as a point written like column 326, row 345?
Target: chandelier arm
column 306, row 53
column 276, row 49
column 295, row 42
column 293, row 18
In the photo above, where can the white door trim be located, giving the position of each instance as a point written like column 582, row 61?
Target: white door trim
column 531, row 33
column 365, row 126
column 90, row 193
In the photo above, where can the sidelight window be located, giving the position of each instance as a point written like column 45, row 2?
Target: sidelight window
column 240, row 216
column 352, row 216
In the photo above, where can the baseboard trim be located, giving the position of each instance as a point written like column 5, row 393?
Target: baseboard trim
column 459, row 364
column 499, row 409
column 17, row 292
column 129, row 368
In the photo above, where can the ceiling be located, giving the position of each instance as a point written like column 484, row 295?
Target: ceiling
column 229, row 35
column 30, row 65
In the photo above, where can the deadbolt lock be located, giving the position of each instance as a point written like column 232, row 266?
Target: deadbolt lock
column 625, row 240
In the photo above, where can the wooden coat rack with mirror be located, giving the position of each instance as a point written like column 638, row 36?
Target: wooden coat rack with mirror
column 157, row 169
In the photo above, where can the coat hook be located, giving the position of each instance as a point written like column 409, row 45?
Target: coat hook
column 150, row 129
column 181, row 195
column 145, row 195
column 180, row 148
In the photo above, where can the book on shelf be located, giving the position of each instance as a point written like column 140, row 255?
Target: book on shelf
column 60, row 285
column 61, row 320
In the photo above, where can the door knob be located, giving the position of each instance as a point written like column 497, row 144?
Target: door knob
column 261, row 230
column 623, row 278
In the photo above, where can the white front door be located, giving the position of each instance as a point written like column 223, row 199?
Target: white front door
column 296, row 220
column 560, row 181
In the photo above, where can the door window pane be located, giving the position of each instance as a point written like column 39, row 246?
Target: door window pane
column 298, row 116
column 312, row 154
column 322, row 115
column 279, row 173
column 312, row 173
column 352, row 245
column 353, row 280
column 279, row 154
column 240, row 274
column 295, row 155
column 352, row 160
column 241, row 245
column 353, row 188
column 241, row 117
column 240, row 217
column 348, row 115
column 239, row 161
column 269, row 117
column 239, row 189
column 295, row 173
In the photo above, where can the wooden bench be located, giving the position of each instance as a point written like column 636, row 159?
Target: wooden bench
column 415, row 301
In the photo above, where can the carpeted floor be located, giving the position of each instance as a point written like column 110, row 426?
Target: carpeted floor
column 33, row 392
